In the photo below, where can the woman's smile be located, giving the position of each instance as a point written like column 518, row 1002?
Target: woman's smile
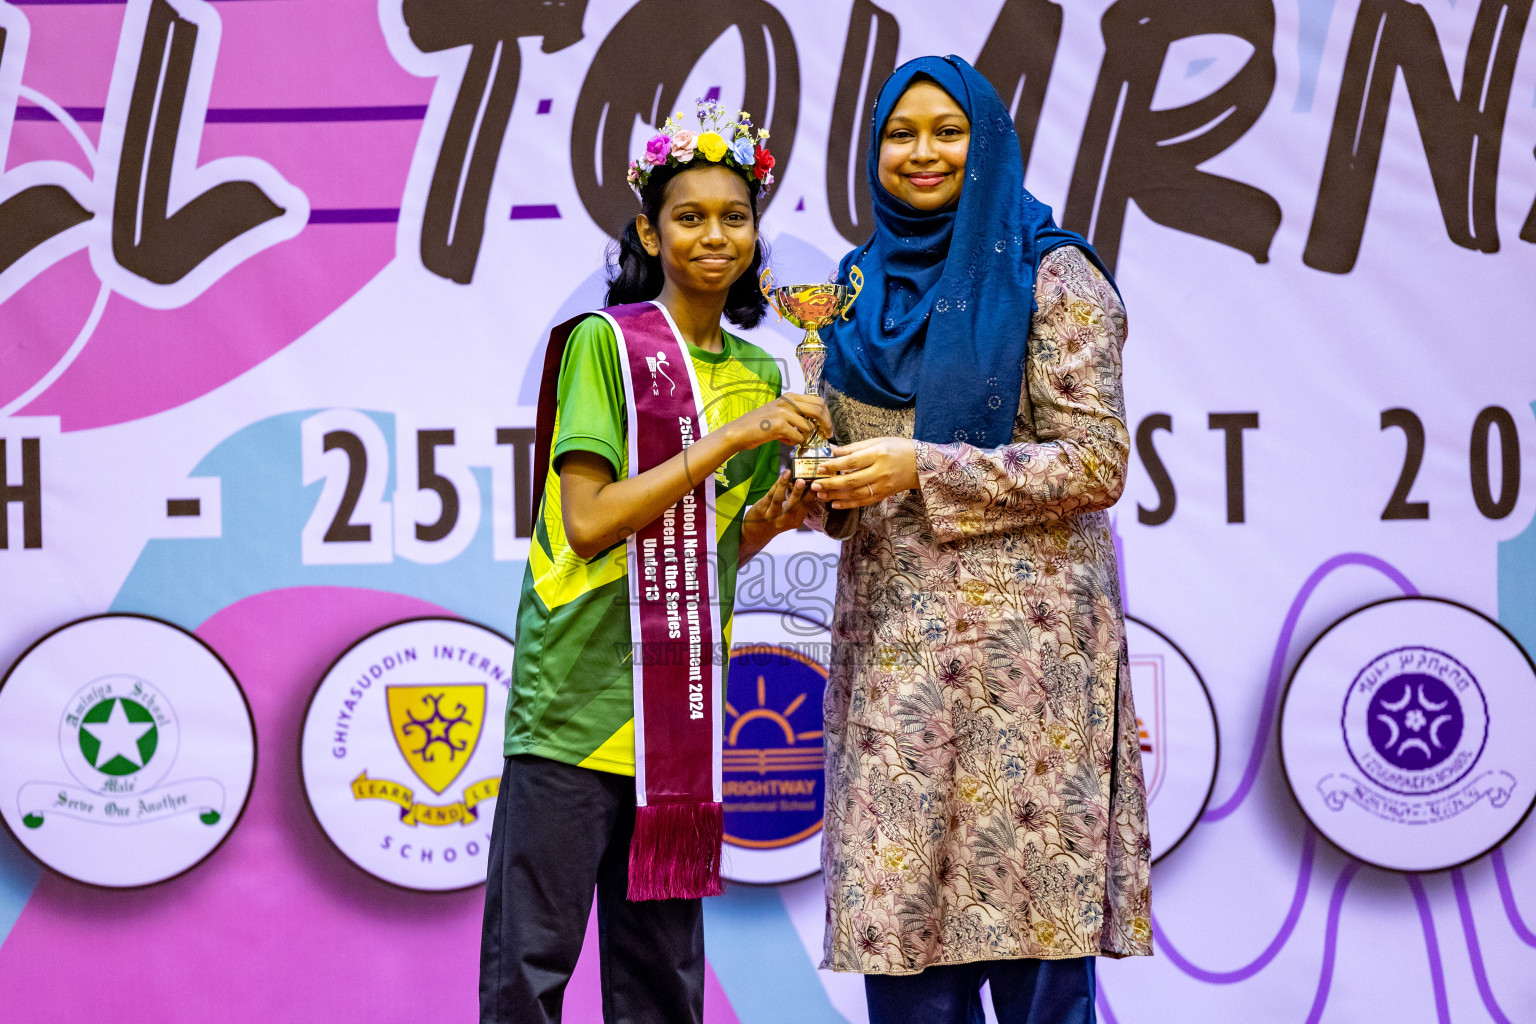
column 927, row 179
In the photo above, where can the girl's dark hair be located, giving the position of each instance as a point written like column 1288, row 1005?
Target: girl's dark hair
column 634, row 275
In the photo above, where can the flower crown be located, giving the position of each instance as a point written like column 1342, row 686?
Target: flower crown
column 733, row 143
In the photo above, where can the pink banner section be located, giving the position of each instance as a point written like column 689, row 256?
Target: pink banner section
column 276, row 922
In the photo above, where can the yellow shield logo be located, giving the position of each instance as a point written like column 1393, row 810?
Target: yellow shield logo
column 437, row 727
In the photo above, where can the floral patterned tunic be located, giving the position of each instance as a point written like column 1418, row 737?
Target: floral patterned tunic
column 984, row 789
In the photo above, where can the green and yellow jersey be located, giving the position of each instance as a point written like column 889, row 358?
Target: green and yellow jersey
column 572, row 685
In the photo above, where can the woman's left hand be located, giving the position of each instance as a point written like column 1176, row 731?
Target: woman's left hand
column 867, row 472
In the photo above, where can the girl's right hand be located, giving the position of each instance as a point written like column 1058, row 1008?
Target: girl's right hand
column 790, row 418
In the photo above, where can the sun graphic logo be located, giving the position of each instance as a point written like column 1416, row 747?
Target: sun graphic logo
column 1404, row 734
column 401, row 754
column 773, row 760
column 139, row 773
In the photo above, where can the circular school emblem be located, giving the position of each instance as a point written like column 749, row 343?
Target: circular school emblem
column 402, row 751
column 1415, row 720
column 1404, row 734
column 130, row 750
column 774, row 779
column 1180, row 745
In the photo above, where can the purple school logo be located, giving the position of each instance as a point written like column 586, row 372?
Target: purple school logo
column 1415, row 721
column 1405, row 734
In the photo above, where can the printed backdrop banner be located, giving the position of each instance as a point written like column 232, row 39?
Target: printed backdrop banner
column 274, row 279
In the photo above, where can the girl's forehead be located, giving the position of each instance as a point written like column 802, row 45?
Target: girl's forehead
column 715, row 185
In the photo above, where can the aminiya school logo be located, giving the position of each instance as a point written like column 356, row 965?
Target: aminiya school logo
column 118, row 737
column 402, row 751
column 146, row 764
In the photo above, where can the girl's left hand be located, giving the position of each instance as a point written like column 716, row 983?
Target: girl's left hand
column 782, row 508
column 868, row 472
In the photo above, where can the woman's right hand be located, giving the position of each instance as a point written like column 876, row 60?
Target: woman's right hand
column 790, row 418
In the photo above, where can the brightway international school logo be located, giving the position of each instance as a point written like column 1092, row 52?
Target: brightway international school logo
column 130, row 750
column 1406, row 730
column 773, row 759
column 401, row 754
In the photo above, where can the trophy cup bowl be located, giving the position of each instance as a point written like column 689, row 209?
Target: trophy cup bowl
column 811, row 307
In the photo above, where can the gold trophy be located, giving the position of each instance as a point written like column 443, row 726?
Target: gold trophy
column 812, row 306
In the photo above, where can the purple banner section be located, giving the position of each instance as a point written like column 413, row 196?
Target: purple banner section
column 362, row 215
column 254, row 115
column 546, row 211
column 669, row 563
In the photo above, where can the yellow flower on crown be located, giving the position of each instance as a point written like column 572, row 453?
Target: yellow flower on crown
column 712, row 146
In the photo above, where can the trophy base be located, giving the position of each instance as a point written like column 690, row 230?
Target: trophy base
column 807, row 464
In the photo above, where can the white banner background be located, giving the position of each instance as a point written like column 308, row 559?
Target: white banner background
column 214, row 394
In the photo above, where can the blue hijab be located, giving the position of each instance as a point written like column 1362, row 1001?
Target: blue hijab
column 948, row 294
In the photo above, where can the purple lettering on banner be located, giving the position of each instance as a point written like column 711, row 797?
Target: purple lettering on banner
column 546, row 211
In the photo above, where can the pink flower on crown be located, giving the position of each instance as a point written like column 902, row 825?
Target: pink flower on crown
column 657, row 149
column 683, row 143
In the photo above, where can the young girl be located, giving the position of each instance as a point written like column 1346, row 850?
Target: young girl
column 657, row 459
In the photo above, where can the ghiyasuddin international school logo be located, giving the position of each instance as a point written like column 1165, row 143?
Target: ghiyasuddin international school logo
column 1405, row 734
column 401, row 753
column 773, row 768
column 145, row 764
column 437, row 728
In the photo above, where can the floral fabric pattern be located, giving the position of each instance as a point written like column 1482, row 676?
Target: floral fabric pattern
column 984, row 787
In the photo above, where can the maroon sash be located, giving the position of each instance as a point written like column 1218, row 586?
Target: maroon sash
column 674, row 616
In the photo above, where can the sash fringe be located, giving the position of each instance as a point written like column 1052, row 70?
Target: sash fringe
column 675, row 852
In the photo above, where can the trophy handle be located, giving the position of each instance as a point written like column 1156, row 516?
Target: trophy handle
column 856, row 278
column 765, row 285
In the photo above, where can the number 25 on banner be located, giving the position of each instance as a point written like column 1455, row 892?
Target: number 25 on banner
column 434, row 511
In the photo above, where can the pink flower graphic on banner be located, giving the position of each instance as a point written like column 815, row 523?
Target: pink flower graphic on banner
column 297, row 206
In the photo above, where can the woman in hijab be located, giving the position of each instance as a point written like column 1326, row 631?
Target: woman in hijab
column 985, row 811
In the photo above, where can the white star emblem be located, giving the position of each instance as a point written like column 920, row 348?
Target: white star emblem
column 117, row 736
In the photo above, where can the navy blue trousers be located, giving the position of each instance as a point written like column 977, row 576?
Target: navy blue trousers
column 1023, row 992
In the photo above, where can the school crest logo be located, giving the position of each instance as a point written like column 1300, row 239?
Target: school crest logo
column 401, row 754
column 774, row 777
column 133, row 750
column 1405, row 734
column 1180, row 744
